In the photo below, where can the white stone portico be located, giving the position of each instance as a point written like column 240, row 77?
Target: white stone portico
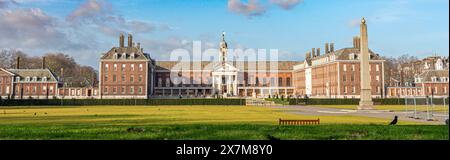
column 224, row 75
column 224, row 80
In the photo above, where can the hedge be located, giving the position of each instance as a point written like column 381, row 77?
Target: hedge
column 86, row 102
column 390, row 101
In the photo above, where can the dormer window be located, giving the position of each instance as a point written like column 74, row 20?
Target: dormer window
column 124, row 56
column 34, row 79
column 132, row 56
column 27, row 79
column 44, row 79
column 116, row 56
column 17, row 79
column 433, row 79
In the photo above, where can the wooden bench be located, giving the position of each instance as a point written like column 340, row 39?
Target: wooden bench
column 299, row 122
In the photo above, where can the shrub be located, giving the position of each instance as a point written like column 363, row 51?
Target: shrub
column 84, row 102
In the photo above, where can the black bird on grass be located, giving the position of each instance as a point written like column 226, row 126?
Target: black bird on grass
column 394, row 122
column 272, row 138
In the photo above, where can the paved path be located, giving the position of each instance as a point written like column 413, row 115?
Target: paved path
column 389, row 115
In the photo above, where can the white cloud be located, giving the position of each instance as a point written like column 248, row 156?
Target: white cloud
column 31, row 28
column 252, row 8
column 286, row 4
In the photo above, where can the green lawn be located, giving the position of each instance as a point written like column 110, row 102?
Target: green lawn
column 195, row 122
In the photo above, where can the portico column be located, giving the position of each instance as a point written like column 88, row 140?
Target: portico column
column 219, row 88
column 245, row 92
column 213, row 81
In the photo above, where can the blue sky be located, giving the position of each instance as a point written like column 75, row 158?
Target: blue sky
column 86, row 28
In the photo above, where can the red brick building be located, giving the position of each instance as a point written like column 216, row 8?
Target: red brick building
column 242, row 79
column 431, row 83
column 126, row 72
column 336, row 74
column 28, row 83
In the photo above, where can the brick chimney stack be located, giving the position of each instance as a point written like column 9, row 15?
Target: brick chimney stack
column 18, row 63
column 122, row 41
column 139, row 45
column 313, row 51
column 43, row 63
column 331, row 47
column 318, row 51
column 130, row 40
column 326, row 48
column 357, row 42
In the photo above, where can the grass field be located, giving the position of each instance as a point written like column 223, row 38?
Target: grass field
column 195, row 122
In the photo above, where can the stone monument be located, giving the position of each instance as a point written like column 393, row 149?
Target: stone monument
column 366, row 102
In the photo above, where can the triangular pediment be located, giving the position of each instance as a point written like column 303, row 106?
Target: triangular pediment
column 225, row 68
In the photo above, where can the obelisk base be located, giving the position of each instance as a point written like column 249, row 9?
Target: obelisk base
column 366, row 105
column 366, row 102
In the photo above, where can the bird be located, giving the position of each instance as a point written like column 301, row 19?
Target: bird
column 272, row 138
column 394, row 122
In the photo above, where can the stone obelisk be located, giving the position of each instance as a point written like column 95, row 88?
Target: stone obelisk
column 366, row 90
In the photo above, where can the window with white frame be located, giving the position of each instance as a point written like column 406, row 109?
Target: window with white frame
column 106, row 68
column 141, row 67
column 115, row 67
column 124, row 67
column 345, row 67
column 377, row 67
column 44, row 79
column 132, row 67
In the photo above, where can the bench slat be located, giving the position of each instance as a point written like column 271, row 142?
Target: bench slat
column 299, row 122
